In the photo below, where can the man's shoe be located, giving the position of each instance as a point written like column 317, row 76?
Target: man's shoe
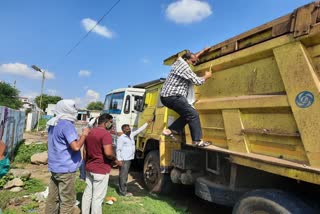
column 202, row 143
column 169, row 133
column 128, row 194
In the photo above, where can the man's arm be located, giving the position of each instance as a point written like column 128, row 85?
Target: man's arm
column 108, row 149
column 143, row 127
column 108, row 152
column 136, row 132
column 202, row 52
column 77, row 144
column 207, row 75
column 84, row 152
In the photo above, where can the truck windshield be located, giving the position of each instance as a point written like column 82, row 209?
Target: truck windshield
column 113, row 103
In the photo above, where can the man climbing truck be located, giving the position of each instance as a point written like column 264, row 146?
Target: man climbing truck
column 261, row 111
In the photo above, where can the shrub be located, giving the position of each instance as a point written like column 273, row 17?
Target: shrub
column 24, row 152
column 5, row 179
column 42, row 124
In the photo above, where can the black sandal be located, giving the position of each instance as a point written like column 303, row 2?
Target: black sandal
column 170, row 135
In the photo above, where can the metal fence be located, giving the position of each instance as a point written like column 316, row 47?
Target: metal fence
column 12, row 124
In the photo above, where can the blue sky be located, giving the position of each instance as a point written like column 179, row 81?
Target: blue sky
column 128, row 47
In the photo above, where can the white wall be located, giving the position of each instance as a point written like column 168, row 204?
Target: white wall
column 50, row 108
column 31, row 120
column 95, row 113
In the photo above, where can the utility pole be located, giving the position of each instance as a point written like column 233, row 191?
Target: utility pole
column 41, row 93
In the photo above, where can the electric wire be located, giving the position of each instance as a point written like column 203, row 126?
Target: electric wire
column 86, row 35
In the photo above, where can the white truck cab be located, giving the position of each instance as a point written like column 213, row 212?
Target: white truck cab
column 123, row 104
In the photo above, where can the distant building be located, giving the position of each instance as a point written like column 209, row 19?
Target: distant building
column 27, row 104
column 85, row 115
column 49, row 109
column 94, row 113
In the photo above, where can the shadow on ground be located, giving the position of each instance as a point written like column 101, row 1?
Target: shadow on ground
column 181, row 196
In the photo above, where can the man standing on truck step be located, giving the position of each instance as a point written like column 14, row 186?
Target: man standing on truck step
column 125, row 153
column 177, row 87
column 64, row 157
column 98, row 155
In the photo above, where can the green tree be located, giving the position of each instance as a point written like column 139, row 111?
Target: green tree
column 95, row 106
column 9, row 96
column 47, row 99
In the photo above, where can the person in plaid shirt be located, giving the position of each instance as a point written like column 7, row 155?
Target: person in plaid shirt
column 174, row 96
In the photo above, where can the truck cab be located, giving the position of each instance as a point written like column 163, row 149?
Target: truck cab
column 123, row 104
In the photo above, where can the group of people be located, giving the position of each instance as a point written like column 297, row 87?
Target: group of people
column 64, row 158
column 64, row 143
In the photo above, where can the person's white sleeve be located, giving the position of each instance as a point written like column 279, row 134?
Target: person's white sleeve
column 143, row 127
column 91, row 122
column 119, row 148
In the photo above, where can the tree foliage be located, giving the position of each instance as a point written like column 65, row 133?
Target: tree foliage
column 47, row 99
column 9, row 96
column 95, row 106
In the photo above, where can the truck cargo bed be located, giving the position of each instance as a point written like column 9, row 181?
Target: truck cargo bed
column 262, row 105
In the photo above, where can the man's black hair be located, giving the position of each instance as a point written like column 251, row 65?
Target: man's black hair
column 187, row 55
column 104, row 118
column 124, row 125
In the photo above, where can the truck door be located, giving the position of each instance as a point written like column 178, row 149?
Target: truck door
column 127, row 112
column 130, row 109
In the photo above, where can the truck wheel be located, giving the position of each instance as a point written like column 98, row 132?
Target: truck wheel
column 270, row 202
column 155, row 181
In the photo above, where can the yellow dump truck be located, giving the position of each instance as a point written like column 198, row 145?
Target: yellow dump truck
column 261, row 111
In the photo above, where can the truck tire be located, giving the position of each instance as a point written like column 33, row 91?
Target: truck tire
column 154, row 180
column 270, row 202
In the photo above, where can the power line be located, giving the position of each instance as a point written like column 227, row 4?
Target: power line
column 86, row 35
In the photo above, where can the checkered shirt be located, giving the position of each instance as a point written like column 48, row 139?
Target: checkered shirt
column 180, row 76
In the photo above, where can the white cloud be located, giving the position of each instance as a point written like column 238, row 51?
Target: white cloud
column 145, row 61
column 84, row 73
column 52, row 92
column 188, row 11
column 78, row 102
column 90, row 96
column 24, row 70
column 30, row 94
column 33, row 94
column 88, row 24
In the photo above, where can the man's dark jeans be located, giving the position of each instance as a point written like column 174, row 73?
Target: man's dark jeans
column 123, row 177
column 188, row 115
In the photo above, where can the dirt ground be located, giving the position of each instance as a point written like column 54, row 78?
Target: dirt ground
column 184, row 197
